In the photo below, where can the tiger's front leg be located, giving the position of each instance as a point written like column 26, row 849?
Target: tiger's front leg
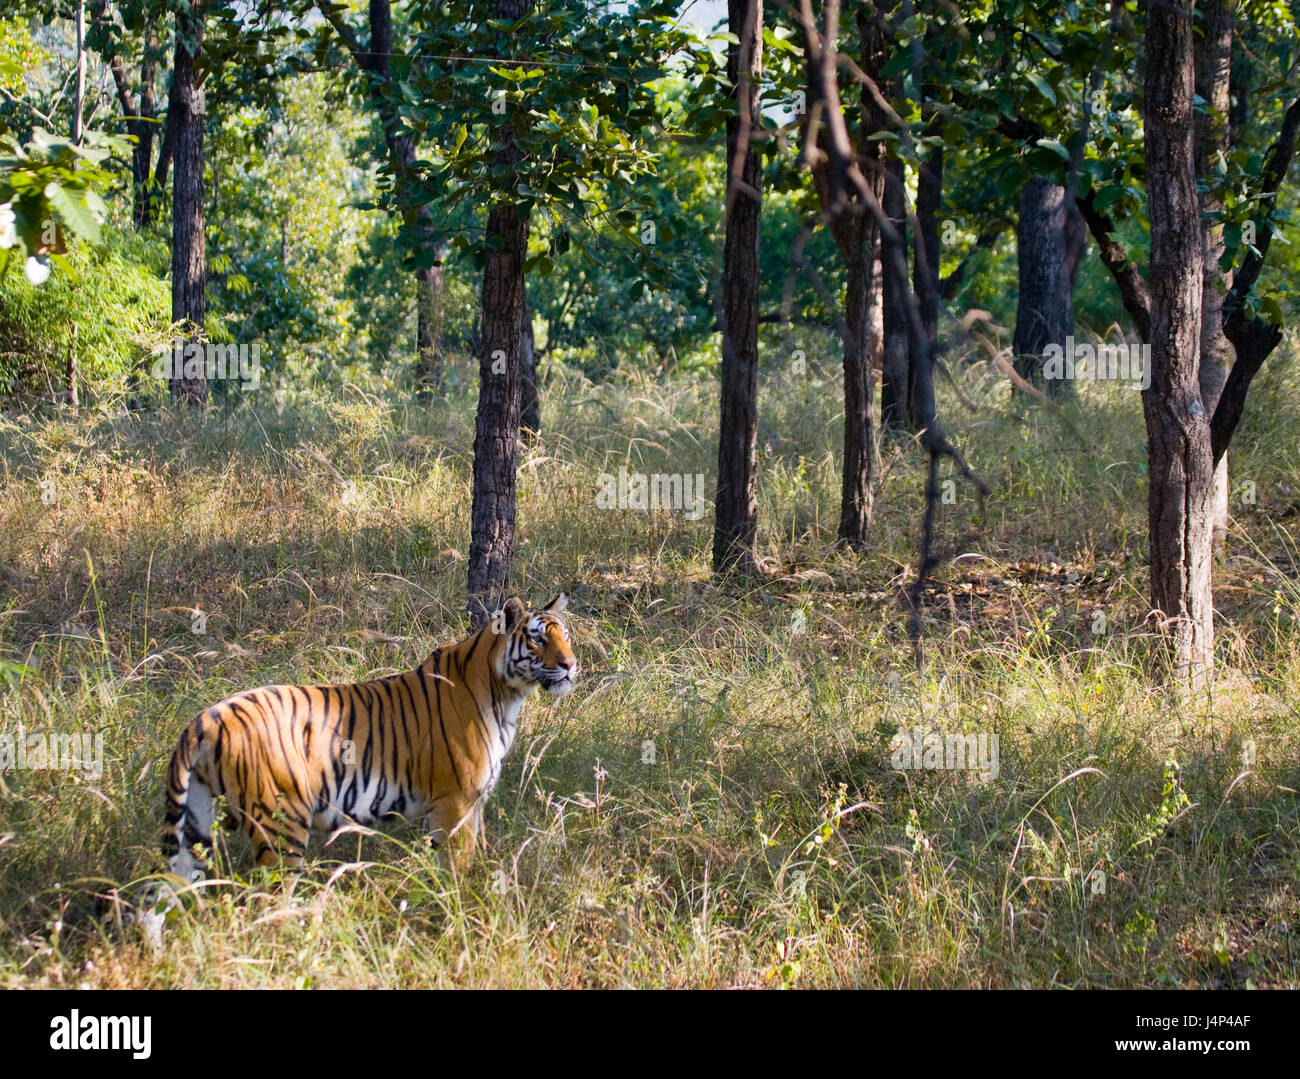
column 456, row 823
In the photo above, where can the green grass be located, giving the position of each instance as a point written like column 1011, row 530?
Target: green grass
column 770, row 842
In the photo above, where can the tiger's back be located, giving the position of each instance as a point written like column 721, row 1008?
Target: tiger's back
column 290, row 760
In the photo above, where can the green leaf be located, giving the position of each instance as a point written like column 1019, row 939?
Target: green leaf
column 1056, row 147
column 73, row 211
column 1042, row 86
column 1106, row 196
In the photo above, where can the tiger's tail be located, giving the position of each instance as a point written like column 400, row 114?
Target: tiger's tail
column 189, row 804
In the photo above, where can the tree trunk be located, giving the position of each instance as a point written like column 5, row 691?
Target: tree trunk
column 429, row 366
column 876, row 317
column 530, row 405
column 736, row 524
column 925, row 271
column 858, row 239
column 189, row 271
column 894, row 366
column 496, row 427
column 139, row 124
column 1043, row 308
column 1213, row 72
column 856, row 484
column 1178, row 428
column 401, row 151
column 144, row 205
column 925, row 245
column 79, row 85
column 428, row 279
column 428, row 331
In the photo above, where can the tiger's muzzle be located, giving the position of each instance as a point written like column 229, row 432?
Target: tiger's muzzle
column 560, row 680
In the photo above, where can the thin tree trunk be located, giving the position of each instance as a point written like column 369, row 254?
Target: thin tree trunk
column 140, row 123
column 876, row 318
column 430, row 370
column 857, row 476
column 858, row 239
column 189, row 271
column 925, row 245
column 1178, row 426
column 163, row 164
column 1043, row 314
column 896, row 362
column 925, row 271
column 429, row 366
column 530, row 405
column 79, row 86
column 736, row 523
column 144, row 209
column 374, row 59
column 1213, row 73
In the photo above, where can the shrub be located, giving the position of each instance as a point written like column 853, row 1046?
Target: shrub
column 119, row 304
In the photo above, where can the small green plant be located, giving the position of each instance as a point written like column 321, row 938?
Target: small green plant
column 1174, row 802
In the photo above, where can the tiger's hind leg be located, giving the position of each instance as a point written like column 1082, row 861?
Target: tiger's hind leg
column 276, row 839
column 191, row 826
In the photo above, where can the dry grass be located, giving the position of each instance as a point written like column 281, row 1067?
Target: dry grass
column 770, row 842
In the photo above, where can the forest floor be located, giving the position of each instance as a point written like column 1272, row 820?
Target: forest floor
column 716, row 804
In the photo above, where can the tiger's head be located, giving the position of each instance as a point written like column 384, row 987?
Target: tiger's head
column 539, row 649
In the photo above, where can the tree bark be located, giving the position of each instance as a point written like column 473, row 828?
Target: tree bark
column 139, row 119
column 736, row 522
column 144, row 208
column 1213, row 74
column 430, row 367
column 530, row 405
column 856, row 235
column 1178, row 426
column 925, row 269
column 189, row 270
column 1043, row 309
column 857, row 476
column 876, row 319
column 496, row 426
column 896, row 361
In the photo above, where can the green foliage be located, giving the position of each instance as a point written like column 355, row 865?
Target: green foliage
column 575, row 83
column 48, row 187
column 679, row 226
column 120, row 306
column 295, row 261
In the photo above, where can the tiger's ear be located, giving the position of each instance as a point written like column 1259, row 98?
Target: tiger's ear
column 558, row 605
column 513, row 609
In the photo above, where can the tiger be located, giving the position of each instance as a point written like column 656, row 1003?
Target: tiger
column 427, row 743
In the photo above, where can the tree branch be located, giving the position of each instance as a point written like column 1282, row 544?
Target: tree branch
column 1253, row 338
column 1271, row 177
column 1133, row 289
